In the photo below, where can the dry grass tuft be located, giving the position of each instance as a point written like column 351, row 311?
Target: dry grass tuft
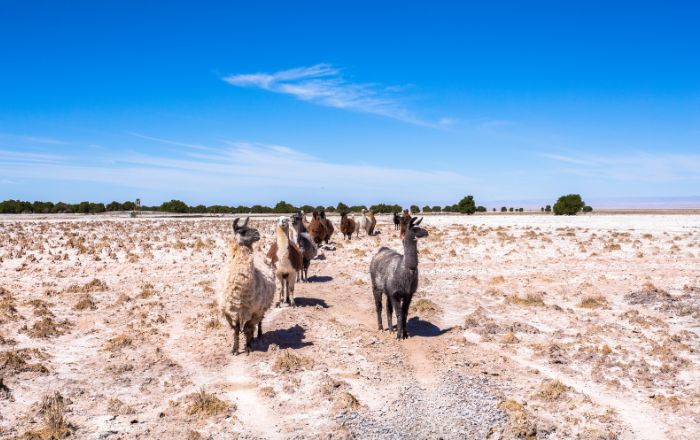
column 205, row 404
column 289, row 362
column 425, row 307
column 117, row 342
column 16, row 361
column 552, row 390
column 267, row 392
column 346, row 402
column 117, row 407
column 55, row 424
column 47, row 327
column 593, row 301
column 520, row 424
column 531, row 299
column 146, row 291
column 510, row 338
column 85, row 303
column 96, row 285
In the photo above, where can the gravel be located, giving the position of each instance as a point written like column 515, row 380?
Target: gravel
column 461, row 406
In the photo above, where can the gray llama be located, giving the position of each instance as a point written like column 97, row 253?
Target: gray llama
column 396, row 276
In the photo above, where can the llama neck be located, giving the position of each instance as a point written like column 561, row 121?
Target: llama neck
column 410, row 254
column 282, row 238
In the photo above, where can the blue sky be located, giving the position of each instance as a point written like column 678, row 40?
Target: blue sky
column 225, row 102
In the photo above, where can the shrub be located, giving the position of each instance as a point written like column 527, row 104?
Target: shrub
column 481, row 209
column 587, row 208
column 415, row 209
column 283, row 207
column 510, row 209
column 569, row 204
column 504, row 209
column 115, row 206
column 467, row 205
column 436, row 209
column 426, row 208
column 342, row 207
column 330, row 208
column 174, row 206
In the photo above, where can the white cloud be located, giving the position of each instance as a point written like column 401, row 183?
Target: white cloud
column 243, row 171
column 632, row 166
column 25, row 139
column 324, row 84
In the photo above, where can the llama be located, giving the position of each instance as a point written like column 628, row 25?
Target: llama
column 288, row 260
column 245, row 291
column 365, row 223
column 405, row 220
column 396, row 276
column 373, row 222
column 328, row 225
column 307, row 245
column 397, row 221
column 317, row 228
column 347, row 225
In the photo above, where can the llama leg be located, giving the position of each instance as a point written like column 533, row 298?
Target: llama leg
column 236, row 333
column 260, row 329
column 290, row 289
column 396, row 304
column 389, row 311
column 378, row 306
column 248, row 332
column 404, row 311
column 281, row 291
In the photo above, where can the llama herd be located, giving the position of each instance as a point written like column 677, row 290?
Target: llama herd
column 247, row 291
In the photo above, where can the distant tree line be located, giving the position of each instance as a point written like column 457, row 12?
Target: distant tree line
column 566, row 205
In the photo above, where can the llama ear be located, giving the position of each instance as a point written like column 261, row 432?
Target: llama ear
column 235, row 223
column 412, row 221
column 418, row 222
column 245, row 223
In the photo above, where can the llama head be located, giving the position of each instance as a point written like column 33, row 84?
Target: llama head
column 343, row 214
column 323, row 213
column 283, row 222
column 245, row 236
column 413, row 231
column 315, row 214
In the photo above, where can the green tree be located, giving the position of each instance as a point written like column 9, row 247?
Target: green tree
column 283, row 207
column 504, row 209
column 426, row 208
column 129, row 205
column 96, row 208
column 548, row 208
column 83, row 207
column 415, row 209
column 436, row 208
column 466, row 205
column 480, row 209
column 587, row 209
column 307, row 208
column 569, row 204
column 175, row 206
column 342, row 207
column 199, row 209
column 114, row 206
column 330, row 208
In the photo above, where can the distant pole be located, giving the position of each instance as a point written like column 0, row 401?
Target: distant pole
column 137, row 208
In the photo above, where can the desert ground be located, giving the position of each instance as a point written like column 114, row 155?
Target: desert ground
column 523, row 326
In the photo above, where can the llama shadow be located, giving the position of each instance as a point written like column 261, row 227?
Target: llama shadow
column 320, row 279
column 310, row 302
column 418, row 327
column 320, row 257
column 292, row 337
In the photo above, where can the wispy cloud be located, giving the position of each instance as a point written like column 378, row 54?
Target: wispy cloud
column 631, row 166
column 240, row 172
column 324, row 84
column 26, row 139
